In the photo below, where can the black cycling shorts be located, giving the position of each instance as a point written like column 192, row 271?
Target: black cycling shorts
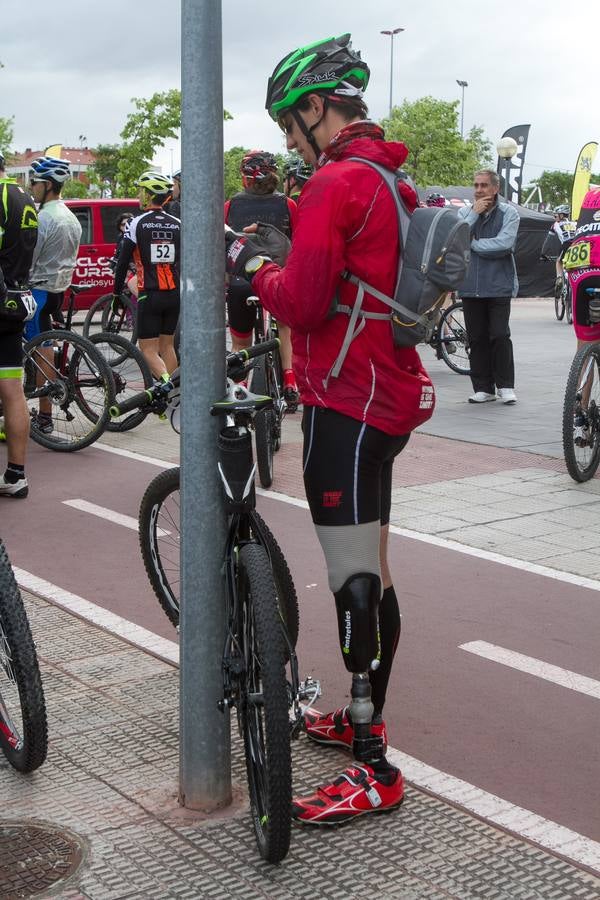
column 157, row 313
column 240, row 316
column 11, row 351
column 347, row 468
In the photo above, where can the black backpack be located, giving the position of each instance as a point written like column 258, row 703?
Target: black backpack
column 434, row 257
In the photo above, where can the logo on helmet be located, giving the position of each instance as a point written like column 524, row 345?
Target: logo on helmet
column 315, row 79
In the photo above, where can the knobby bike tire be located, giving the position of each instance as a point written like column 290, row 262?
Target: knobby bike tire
column 452, row 321
column 120, row 320
column 582, row 461
column 159, row 510
column 81, row 393
column 264, row 705
column 559, row 303
column 24, row 742
column 131, row 374
column 264, row 424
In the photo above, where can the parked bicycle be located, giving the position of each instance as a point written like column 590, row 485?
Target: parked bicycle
column 450, row 340
column 114, row 315
column 259, row 664
column 72, row 374
column 23, row 726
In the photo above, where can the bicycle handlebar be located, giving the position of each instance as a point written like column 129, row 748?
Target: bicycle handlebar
column 161, row 389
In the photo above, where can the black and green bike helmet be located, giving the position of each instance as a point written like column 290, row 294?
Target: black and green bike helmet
column 330, row 66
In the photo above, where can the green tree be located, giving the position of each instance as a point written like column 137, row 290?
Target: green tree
column 154, row 121
column 104, row 172
column 6, row 135
column 231, row 170
column 75, row 189
column 437, row 152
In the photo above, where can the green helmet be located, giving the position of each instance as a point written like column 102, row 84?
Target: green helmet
column 330, row 66
column 155, row 183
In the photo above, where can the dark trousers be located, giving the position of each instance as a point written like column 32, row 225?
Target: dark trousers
column 491, row 350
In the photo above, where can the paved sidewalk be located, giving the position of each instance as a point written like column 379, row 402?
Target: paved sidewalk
column 105, row 804
column 107, row 796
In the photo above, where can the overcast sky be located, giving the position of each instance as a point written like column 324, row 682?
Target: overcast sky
column 72, row 70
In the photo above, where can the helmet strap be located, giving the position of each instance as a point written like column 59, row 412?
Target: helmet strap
column 308, row 132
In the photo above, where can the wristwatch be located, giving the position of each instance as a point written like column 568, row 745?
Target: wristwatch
column 255, row 263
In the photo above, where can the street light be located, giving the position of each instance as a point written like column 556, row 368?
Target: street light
column 506, row 147
column 391, row 34
column 463, row 85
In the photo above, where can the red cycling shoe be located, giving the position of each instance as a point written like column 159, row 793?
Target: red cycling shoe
column 335, row 729
column 357, row 791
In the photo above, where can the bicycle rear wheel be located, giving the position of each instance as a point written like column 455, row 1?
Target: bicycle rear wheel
column 568, row 294
column 131, row 374
column 581, row 414
column 79, row 384
column 264, row 705
column 265, row 422
column 115, row 316
column 559, row 301
column 454, row 342
column 23, row 726
column 159, row 532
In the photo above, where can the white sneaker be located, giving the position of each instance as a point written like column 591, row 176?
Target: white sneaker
column 18, row 491
column 482, row 397
column 507, row 395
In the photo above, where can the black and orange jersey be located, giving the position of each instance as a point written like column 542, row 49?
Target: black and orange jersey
column 153, row 242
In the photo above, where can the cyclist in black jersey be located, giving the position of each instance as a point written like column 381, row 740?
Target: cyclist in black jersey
column 173, row 204
column 152, row 241
column 18, row 235
column 259, row 202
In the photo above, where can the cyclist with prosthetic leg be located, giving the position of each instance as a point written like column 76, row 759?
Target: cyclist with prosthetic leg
column 362, row 394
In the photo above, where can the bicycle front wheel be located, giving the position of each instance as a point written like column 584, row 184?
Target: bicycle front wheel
column 23, row 726
column 581, row 414
column 264, row 705
column 454, row 342
column 265, row 423
column 73, row 375
column 117, row 316
column 131, row 374
column 559, row 302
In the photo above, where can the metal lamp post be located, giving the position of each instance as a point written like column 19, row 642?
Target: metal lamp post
column 391, row 33
column 507, row 147
column 462, row 85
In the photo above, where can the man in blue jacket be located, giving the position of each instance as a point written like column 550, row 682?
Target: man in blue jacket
column 486, row 293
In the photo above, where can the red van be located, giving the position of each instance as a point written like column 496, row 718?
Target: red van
column 98, row 239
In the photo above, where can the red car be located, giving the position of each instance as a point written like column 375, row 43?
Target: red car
column 98, row 238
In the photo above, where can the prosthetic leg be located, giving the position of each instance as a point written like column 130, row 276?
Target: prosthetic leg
column 357, row 604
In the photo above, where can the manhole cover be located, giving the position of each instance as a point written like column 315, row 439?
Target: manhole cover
column 33, row 857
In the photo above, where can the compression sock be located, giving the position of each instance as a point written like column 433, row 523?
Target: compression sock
column 14, row 473
column 389, row 629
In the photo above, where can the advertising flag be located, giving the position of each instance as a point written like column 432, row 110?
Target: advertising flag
column 55, row 150
column 520, row 134
column 581, row 179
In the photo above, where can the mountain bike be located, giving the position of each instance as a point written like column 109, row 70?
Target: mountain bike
column 23, row 726
column 450, row 340
column 71, row 372
column 267, row 379
column 117, row 315
column 259, row 664
column 563, row 298
column 581, row 413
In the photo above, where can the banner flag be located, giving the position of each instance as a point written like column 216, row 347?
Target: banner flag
column 520, row 134
column 55, row 150
column 581, row 178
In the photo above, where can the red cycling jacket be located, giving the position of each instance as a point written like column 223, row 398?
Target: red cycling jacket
column 347, row 220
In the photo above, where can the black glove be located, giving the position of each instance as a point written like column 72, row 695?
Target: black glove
column 239, row 250
column 274, row 243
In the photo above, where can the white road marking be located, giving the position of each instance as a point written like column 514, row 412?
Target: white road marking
column 103, row 618
column 103, row 513
column 522, row 822
column 138, row 457
column 537, row 667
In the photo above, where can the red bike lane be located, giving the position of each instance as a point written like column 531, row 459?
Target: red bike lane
column 525, row 739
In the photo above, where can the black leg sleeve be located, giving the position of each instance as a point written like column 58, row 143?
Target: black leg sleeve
column 389, row 628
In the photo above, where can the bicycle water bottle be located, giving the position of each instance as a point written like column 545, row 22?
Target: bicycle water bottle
column 236, row 468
